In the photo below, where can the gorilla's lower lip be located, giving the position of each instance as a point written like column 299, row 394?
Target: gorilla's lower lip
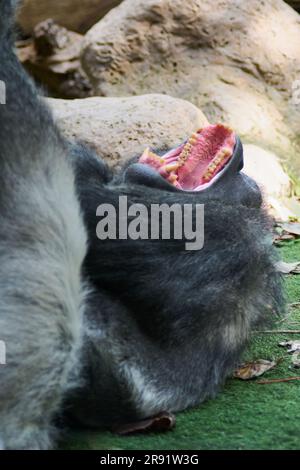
column 194, row 165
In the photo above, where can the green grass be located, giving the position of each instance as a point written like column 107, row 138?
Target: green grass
column 245, row 415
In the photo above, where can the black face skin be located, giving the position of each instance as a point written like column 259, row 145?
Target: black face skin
column 182, row 318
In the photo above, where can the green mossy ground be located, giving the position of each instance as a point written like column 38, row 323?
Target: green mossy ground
column 245, row 415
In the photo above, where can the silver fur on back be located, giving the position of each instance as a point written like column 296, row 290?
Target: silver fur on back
column 42, row 247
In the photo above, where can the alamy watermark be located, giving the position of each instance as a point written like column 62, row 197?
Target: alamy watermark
column 2, row 92
column 2, row 353
column 152, row 222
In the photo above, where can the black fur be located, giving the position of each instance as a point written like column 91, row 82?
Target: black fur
column 174, row 307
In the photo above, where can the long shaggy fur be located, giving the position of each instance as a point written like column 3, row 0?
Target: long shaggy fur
column 42, row 247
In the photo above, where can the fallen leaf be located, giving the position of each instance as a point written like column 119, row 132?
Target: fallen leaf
column 292, row 346
column 288, row 268
column 251, row 370
column 280, row 234
column 162, row 422
column 296, row 359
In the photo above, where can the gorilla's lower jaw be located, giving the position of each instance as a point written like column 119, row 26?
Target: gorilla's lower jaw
column 195, row 164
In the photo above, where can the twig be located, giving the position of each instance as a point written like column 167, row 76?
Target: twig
column 273, row 381
column 277, row 332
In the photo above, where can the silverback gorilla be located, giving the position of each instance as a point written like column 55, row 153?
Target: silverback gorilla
column 116, row 330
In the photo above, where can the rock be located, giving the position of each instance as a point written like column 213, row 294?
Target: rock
column 52, row 57
column 265, row 168
column 237, row 61
column 121, row 128
column 76, row 15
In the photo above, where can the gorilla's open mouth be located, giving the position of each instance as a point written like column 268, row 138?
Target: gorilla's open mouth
column 195, row 164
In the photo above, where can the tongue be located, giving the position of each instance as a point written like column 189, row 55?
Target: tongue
column 195, row 163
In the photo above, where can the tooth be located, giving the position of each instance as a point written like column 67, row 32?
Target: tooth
column 193, row 139
column 146, row 153
column 226, row 151
column 172, row 178
column 171, row 167
column 182, row 158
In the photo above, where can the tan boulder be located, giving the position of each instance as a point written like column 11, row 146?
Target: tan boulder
column 237, row 61
column 265, row 168
column 121, row 128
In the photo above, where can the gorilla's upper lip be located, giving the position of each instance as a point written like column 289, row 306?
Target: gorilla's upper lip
column 194, row 165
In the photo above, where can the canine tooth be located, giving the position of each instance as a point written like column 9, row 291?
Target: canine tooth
column 146, row 153
column 193, row 139
column 172, row 178
column 171, row 167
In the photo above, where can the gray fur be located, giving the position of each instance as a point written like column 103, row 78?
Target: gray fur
column 42, row 246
